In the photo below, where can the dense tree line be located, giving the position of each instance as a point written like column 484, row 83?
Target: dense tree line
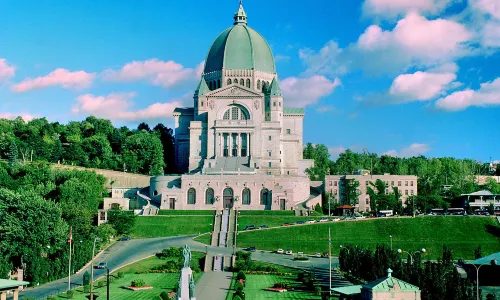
column 92, row 143
column 433, row 174
column 437, row 280
column 38, row 205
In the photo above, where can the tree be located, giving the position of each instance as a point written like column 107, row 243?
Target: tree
column 143, row 126
column 319, row 153
column 477, row 252
column 121, row 220
column 12, row 153
column 167, row 139
column 352, row 192
column 143, row 153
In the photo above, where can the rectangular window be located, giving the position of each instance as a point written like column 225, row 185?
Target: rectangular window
column 367, row 201
column 406, row 192
column 399, row 183
column 287, row 172
column 279, row 103
column 392, row 183
column 412, row 192
column 288, row 131
column 331, row 183
column 274, row 103
column 201, row 103
column 335, row 192
column 269, row 164
column 335, row 183
column 411, row 183
column 366, row 183
column 406, row 183
column 269, row 137
column 270, row 153
column 269, row 173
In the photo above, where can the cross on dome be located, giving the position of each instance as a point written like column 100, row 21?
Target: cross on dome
column 240, row 17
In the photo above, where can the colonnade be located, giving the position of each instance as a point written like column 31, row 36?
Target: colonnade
column 234, row 144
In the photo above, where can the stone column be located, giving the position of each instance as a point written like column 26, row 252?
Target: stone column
column 3, row 295
column 230, row 144
column 239, row 145
column 16, row 294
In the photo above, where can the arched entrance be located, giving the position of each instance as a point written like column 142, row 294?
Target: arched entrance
column 228, row 198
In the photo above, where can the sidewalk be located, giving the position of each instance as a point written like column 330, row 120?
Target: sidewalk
column 213, row 285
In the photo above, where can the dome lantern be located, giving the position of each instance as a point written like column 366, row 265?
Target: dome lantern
column 240, row 17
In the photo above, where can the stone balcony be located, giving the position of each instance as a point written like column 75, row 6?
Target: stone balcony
column 234, row 123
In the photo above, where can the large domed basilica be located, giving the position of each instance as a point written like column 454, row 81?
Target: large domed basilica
column 239, row 146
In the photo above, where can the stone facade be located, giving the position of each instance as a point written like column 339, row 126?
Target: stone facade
column 336, row 184
column 238, row 146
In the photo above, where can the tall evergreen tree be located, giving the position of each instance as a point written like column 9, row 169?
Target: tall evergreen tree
column 13, row 152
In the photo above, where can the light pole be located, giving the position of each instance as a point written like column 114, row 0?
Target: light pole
column 390, row 236
column 342, row 247
column 411, row 254
column 92, row 268
column 107, row 283
column 492, row 263
column 330, row 258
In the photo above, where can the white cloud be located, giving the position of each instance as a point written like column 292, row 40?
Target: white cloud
column 487, row 95
column 11, row 116
column 420, row 86
column 490, row 34
column 389, row 9
column 414, row 42
column 60, row 77
column 119, row 107
column 6, row 71
column 490, row 7
column 415, row 149
column 162, row 73
column 299, row 92
column 335, row 151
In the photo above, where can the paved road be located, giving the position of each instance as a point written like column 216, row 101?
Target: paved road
column 122, row 253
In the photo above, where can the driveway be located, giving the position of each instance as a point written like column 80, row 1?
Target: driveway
column 126, row 252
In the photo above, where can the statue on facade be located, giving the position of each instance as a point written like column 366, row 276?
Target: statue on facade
column 191, row 287
column 186, row 253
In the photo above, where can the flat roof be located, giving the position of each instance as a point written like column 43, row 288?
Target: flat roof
column 6, row 284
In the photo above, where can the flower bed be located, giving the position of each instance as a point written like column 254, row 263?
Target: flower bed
column 139, row 288
column 278, row 290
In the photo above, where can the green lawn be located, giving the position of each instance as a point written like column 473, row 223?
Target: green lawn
column 270, row 220
column 164, row 226
column 267, row 212
column 204, row 239
column 461, row 234
column 168, row 212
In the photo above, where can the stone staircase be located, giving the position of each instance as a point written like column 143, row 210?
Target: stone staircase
column 222, row 236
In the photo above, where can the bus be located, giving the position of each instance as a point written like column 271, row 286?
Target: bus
column 386, row 213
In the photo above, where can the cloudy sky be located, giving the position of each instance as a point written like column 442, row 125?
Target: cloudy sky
column 402, row 77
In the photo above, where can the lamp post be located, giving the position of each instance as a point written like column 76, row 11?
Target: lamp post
column 411, row 254
column 107, row 283
column 92, row 268
column 492, row 263
column 390, row 236
column 342, row 247
column 330, row 257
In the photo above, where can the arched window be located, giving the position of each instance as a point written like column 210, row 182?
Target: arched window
column 242, row 82
column 235, row 113
column 248, row 83
column 209, row 196
column 229, row 81
column 258, row 84
column 264, row 196
column 210, row 85
column 191, row 196
column 246, row 196
column 218, row 83
column 155, row 193
column 235, row 81
column 264, row 86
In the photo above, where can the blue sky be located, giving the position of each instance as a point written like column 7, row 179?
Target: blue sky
column 402, row 77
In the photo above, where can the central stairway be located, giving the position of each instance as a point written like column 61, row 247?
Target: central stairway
column 223, row 237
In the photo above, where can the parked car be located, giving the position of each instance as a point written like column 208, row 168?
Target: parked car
column 335, row 219
column 311, row 222
column 251, row 249
column 289, row 252
column 323, row 220
column 263, row 227
column 102, row 265
column 280, row 251
column 249, row 227
column 287, row 224
column 318, row 255
column 299, row 222
column 360, row 217
column 125, row 238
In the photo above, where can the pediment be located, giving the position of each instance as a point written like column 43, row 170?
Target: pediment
column 234, row 91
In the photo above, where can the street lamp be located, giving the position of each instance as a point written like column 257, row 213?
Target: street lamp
column 107, row 283
column 342, row 247
column 411, row 254
column 390, row 236
column 92, row 268
column 493, row 262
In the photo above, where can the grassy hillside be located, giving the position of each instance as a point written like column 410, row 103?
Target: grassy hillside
column 164, row 226
column 461, row 234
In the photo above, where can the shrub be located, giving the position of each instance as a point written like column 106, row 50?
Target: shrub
column 138, row 282
column 280, row 285
column 317, row 290
column 238, row 286
column 241, row 275
column 119, row 274
column 51, row 298
column 239, row 294
column 100, row 284
column 70, row 294
column 236, row 297
column 164, row 296
column 86, row 288
column 301, row 258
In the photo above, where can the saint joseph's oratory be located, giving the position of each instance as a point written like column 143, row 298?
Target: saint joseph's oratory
column 239, row 146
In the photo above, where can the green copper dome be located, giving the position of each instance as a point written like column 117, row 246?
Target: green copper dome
column 240, row 48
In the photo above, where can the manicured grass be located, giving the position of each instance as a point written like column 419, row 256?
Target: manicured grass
column 204, row 239
column 164, row 226
column 169, row 212
column 267, row 212
column 270, row 220
column 461, row 234
column 256, row 285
